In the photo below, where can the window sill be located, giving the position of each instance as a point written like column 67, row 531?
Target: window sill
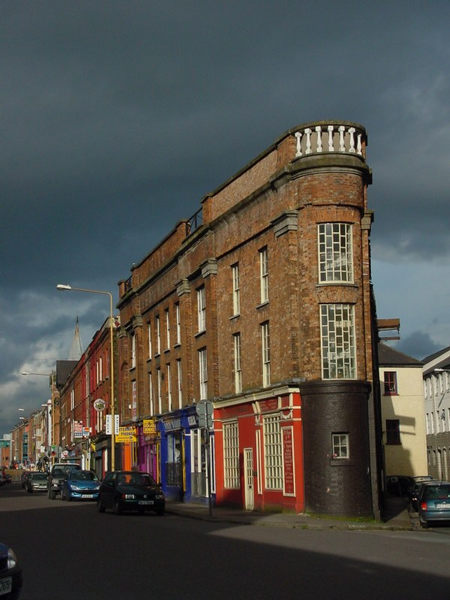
column 340, row 283
column 200, row 333
column 177, row 345
column 236, row 316
column 387, row 394
column 166, row 350
column 341, row 462
column 262, row 305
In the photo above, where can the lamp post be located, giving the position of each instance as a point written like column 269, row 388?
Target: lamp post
column 69, row 288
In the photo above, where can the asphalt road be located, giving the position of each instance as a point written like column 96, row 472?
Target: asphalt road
column 69, row 551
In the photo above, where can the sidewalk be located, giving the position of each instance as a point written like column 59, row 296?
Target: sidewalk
column 398, row 518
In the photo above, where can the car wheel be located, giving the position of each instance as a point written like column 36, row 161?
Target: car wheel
column 424, row 524
column 116, row 508
column 100, row 506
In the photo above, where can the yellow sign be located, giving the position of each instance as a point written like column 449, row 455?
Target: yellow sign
column 126, row 435
column 148, row 426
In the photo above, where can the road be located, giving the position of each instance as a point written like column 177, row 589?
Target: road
column 70, row 551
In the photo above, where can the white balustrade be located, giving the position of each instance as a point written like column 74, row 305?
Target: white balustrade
column 341, row 138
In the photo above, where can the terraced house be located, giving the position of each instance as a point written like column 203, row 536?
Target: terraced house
column 261, row 303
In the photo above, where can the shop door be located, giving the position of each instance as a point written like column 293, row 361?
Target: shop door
column 248, row 479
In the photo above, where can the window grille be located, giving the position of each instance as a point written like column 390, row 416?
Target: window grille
column 335, row 252
column 231, row 456
column 273, row 453
column 338, row 343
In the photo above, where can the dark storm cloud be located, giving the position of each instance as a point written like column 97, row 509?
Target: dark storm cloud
column 118, row 117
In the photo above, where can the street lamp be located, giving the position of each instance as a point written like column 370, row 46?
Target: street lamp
column 68, row 288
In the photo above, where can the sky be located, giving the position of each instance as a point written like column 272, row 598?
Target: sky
column 118, row 117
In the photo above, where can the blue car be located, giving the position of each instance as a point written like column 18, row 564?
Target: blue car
column 434, row 502
column 80, row 485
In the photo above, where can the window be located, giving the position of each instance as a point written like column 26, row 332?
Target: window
column 158, row 335
column 338, row 345
column 340, row 445
column 169, row 388
column 100, row 368
column 158, row 372
column 201, row 309
column 393, row 431
column 167, row 328
column 72, row 399
column 179, row 383
column 203, row 374
column 133, row 351
column 178, row 320
column 273, row 453
column 335, row 252
column 265, row 347
column 390, row 383
column 236, row 291
column 237, row 363
column 264, row 275
column 150, row 395
column 149, row 334
column 232, row 479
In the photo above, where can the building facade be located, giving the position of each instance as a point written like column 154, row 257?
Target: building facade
column 82, row 420
column 436, row 382
column 261, row 304
column 402, row 407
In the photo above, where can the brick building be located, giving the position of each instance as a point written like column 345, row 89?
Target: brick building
column 261, row 303
column 82, row 382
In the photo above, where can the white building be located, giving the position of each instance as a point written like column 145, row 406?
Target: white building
column 436, row 381
column 402, row 413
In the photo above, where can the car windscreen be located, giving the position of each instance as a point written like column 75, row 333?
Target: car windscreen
column 143, row 479
column 83, row 476
column 38, row 476
column 59, row 472
column 437, row 492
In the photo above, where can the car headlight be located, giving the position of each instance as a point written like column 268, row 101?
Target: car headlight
column 159, row 497
column 74, row 487
column 129, row 496
column 12, row 558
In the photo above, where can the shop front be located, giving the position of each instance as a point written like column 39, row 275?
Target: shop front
column 186, row 459
column 259, row 451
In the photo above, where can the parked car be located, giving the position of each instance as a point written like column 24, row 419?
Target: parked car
column 36, row 482
column 80, row 485
column 10, row 574
column 130, row 491
column 434, row 502
column 58, row 473
column 415, row 489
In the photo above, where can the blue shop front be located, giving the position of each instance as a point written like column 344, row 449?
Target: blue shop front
column 186, row 474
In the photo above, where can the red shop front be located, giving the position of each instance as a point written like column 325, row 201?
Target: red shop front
column 259, row 451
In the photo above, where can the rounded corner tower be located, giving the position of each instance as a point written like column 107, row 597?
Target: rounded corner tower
column 336, row 317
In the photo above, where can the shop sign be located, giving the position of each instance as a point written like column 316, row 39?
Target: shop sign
column 288, row 460
column 126, row 434
column 77, row 429
column 149, row 426
column 173, row 424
